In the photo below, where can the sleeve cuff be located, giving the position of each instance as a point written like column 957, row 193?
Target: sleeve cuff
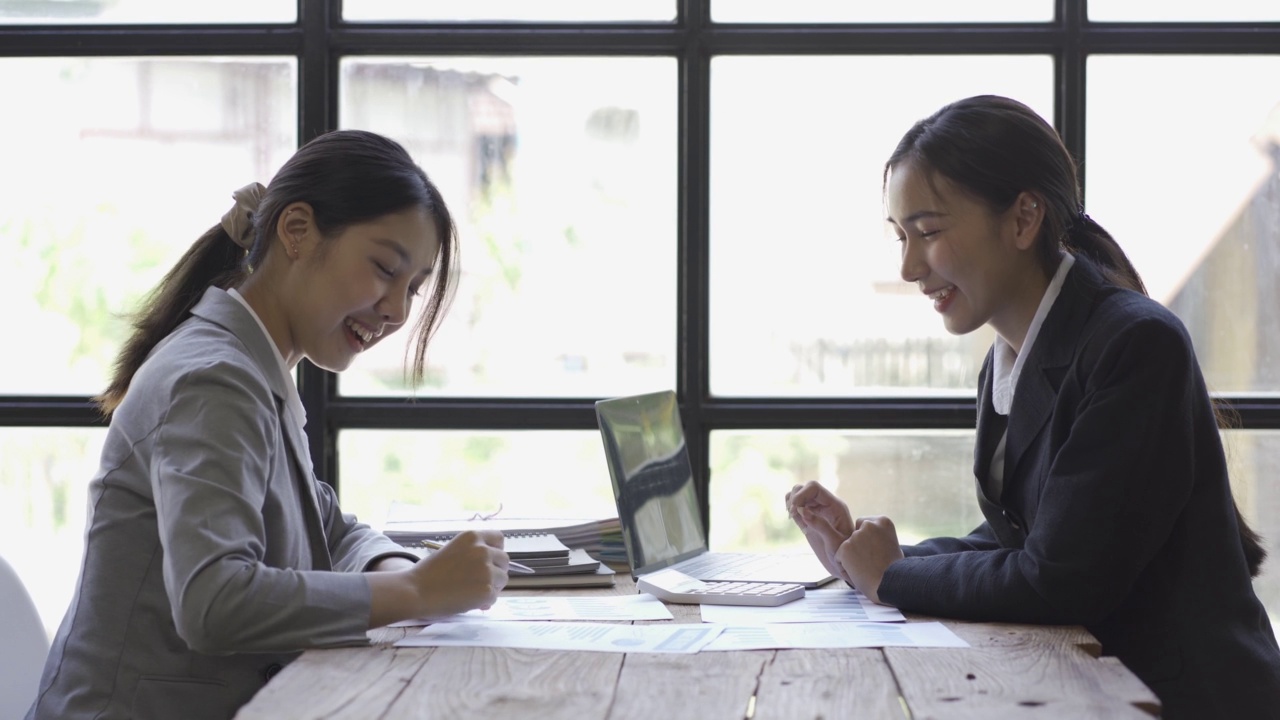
column 407, row 555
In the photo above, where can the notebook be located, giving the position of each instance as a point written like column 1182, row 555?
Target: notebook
column 658, row 503
column 523, row 547
column 602, row 576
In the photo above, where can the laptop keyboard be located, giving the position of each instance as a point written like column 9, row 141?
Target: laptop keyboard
column 712, row 566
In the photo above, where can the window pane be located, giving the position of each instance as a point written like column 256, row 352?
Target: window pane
column 561, row 176
column 542, row 10
column 44, row 476
column 922, row 11
column 806, row 297
column 1192, row 198
column 527, row 473
column 1254, row 460
column 1165, row 11
column 146, row 11
column 923, row 481
column 125, row 164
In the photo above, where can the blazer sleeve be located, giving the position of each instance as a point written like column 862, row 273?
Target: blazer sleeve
column 982, row 538
column 210, row 469
column 1110, row 499
column 354, row 546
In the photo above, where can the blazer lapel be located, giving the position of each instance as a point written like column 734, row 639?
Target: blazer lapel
column 217, row 306
column 1054, row 350
column 991, row 427
column 305, row 472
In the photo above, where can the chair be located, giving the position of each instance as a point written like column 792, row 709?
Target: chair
column 23, row 645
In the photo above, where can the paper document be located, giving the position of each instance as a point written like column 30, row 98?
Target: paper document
column 777, row 636
column 596, row 637
column 610, row 607
column 831, row 605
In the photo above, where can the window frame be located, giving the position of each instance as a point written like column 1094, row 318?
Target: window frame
column 320, row 39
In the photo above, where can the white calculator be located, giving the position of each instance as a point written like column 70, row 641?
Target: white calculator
column 675, row 587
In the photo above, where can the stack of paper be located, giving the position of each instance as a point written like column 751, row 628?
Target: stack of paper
column 601, row 538
column 579, row 570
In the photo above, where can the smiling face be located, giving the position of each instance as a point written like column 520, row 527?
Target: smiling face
column 972, row 262
column 350, row 292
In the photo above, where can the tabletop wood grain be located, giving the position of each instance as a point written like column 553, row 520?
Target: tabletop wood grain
column 1010, row 671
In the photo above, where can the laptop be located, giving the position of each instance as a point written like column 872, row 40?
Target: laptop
column 658, row 504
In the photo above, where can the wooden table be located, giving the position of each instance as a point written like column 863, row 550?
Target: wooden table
column 1011, row 671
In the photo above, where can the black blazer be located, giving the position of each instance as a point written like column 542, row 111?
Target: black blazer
column 1116, row 511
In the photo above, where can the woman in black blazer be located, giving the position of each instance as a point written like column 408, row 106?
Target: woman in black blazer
column 1099, row 467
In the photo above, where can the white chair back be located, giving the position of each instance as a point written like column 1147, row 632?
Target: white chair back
column 24, row 645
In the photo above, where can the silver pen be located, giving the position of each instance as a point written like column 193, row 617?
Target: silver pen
column 512, row 565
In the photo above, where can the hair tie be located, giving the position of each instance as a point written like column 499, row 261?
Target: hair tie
column 238, row 221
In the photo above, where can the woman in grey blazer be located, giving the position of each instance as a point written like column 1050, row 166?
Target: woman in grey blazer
column 213, row 555
column 1098, row 463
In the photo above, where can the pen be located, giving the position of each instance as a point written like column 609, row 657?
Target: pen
column 512, row 566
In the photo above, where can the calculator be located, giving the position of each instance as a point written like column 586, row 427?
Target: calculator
column 675, row 587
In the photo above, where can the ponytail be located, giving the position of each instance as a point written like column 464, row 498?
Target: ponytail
column 1085, row 236
column 214, row 260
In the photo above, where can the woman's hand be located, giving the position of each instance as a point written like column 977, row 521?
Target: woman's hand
column 868, row 552
column 467, row 573
column 825, row 521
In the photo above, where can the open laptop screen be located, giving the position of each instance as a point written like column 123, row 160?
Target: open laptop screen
column 652, row 479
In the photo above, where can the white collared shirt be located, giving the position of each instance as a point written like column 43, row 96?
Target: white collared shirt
column 1007, row 367
column 292, row 401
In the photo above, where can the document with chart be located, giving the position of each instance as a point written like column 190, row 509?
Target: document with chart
column 778, row 636
column 823, row 605
column 592, row 637
column 549, row 607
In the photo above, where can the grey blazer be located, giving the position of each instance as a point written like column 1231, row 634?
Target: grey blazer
column 212, row 556
column 1116, row 511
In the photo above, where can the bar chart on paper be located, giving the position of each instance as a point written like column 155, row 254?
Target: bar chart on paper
column 823, row 605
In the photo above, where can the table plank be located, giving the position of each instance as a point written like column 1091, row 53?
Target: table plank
column 1036, row 678
column 459, row 682
column 979, row 634
column 355, row 683
column 702, row 686
column 828, row 684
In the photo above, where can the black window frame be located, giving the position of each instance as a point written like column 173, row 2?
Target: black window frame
column 319, row 39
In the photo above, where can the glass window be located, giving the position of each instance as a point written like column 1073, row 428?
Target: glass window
column 44, row 478
column 1164, row 11
column 454, row 473
column 146, row 11
column 806, row 297
column 922, row 11
column 561, row 175
column 1253, row 457
column 922, row 480
column 519, row 10
column 123, row 164
column 1182, row 170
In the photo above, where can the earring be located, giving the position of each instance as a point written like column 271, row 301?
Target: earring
column 1035, row 205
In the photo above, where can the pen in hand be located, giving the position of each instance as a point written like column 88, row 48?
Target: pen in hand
column 512, row 566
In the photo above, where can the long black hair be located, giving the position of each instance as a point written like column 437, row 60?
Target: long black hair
column 997, row 148
column 348, row 177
